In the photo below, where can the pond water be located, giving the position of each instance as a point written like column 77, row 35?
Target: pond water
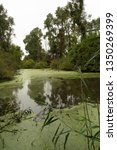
column 37, row 90
column 34, row 89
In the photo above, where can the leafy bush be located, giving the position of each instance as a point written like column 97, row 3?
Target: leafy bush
column 62, row 64
column 55, row 64
column 7, row 66
column 65, row 64
column 86, row 54
column 89, row 54
column 27, row 64
column 41, row 65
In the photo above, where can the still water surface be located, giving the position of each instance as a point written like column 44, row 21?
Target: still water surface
column 34, row 89
column 38, row 89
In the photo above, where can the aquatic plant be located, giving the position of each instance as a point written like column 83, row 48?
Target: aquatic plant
column 10, row 116
column 89, row 129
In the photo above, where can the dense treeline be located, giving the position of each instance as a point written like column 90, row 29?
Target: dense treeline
column 10, row 54
column 72, row 40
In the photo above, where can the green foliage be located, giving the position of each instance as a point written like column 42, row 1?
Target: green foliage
column 49, row 120
column 7, row 65
column 6, row 29
column 66, row 64
column 9, row 62
column 41, row 65
column 86, row 54
column 73, row 41
column 60, row 131
column 28, row 63
column 16, row 53
column 76, row 12
column 55, row 64
column 88, row 128
column 10, row 54
column 84, row 117
column 33, row 44
column 93, row 26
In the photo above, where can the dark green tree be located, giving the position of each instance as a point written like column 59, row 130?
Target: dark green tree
column 17, row 54
column 66, row 28
column 76, row 11
column 6, row 30
column 85, row 55
column 58, row 32
column 33, row 44
column 51, row 35
column 10, row 54
column 93, row 26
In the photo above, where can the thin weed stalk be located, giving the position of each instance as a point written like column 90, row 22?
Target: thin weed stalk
column 88, row 123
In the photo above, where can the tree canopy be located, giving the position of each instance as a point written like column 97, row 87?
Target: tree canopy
column 10, row 54
column 73, row 42
column 33, row 44
column 6, row 30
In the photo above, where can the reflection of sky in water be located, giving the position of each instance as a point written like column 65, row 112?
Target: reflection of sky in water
column 47, row 92
column 24, row 100
column 58, row 93
column 59, row 101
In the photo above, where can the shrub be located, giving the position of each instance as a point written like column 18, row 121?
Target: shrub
column 28, row 64
column 7, row 66
column 65, row 64
column 55, row 64
column 41, row 65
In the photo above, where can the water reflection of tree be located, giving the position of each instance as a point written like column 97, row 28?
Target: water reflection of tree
column 9, row 91
column 8, row 105
column 36, row 91
column 64, row 93
column 8, row 99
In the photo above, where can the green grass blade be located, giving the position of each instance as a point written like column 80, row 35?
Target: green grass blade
column 66, row 138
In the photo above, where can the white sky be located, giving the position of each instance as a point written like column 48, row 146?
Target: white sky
column 29, row 14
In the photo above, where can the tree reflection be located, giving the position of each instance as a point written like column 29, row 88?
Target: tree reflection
column 8, row 103
column 61, row 93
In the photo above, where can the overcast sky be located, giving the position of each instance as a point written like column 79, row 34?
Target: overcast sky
column 29, row 14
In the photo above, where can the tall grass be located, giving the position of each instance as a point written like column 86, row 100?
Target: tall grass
column 89, row 129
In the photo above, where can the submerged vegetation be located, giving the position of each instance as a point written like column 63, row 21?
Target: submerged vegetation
column 66, row 125
column 80, row 120
column 85, row 121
